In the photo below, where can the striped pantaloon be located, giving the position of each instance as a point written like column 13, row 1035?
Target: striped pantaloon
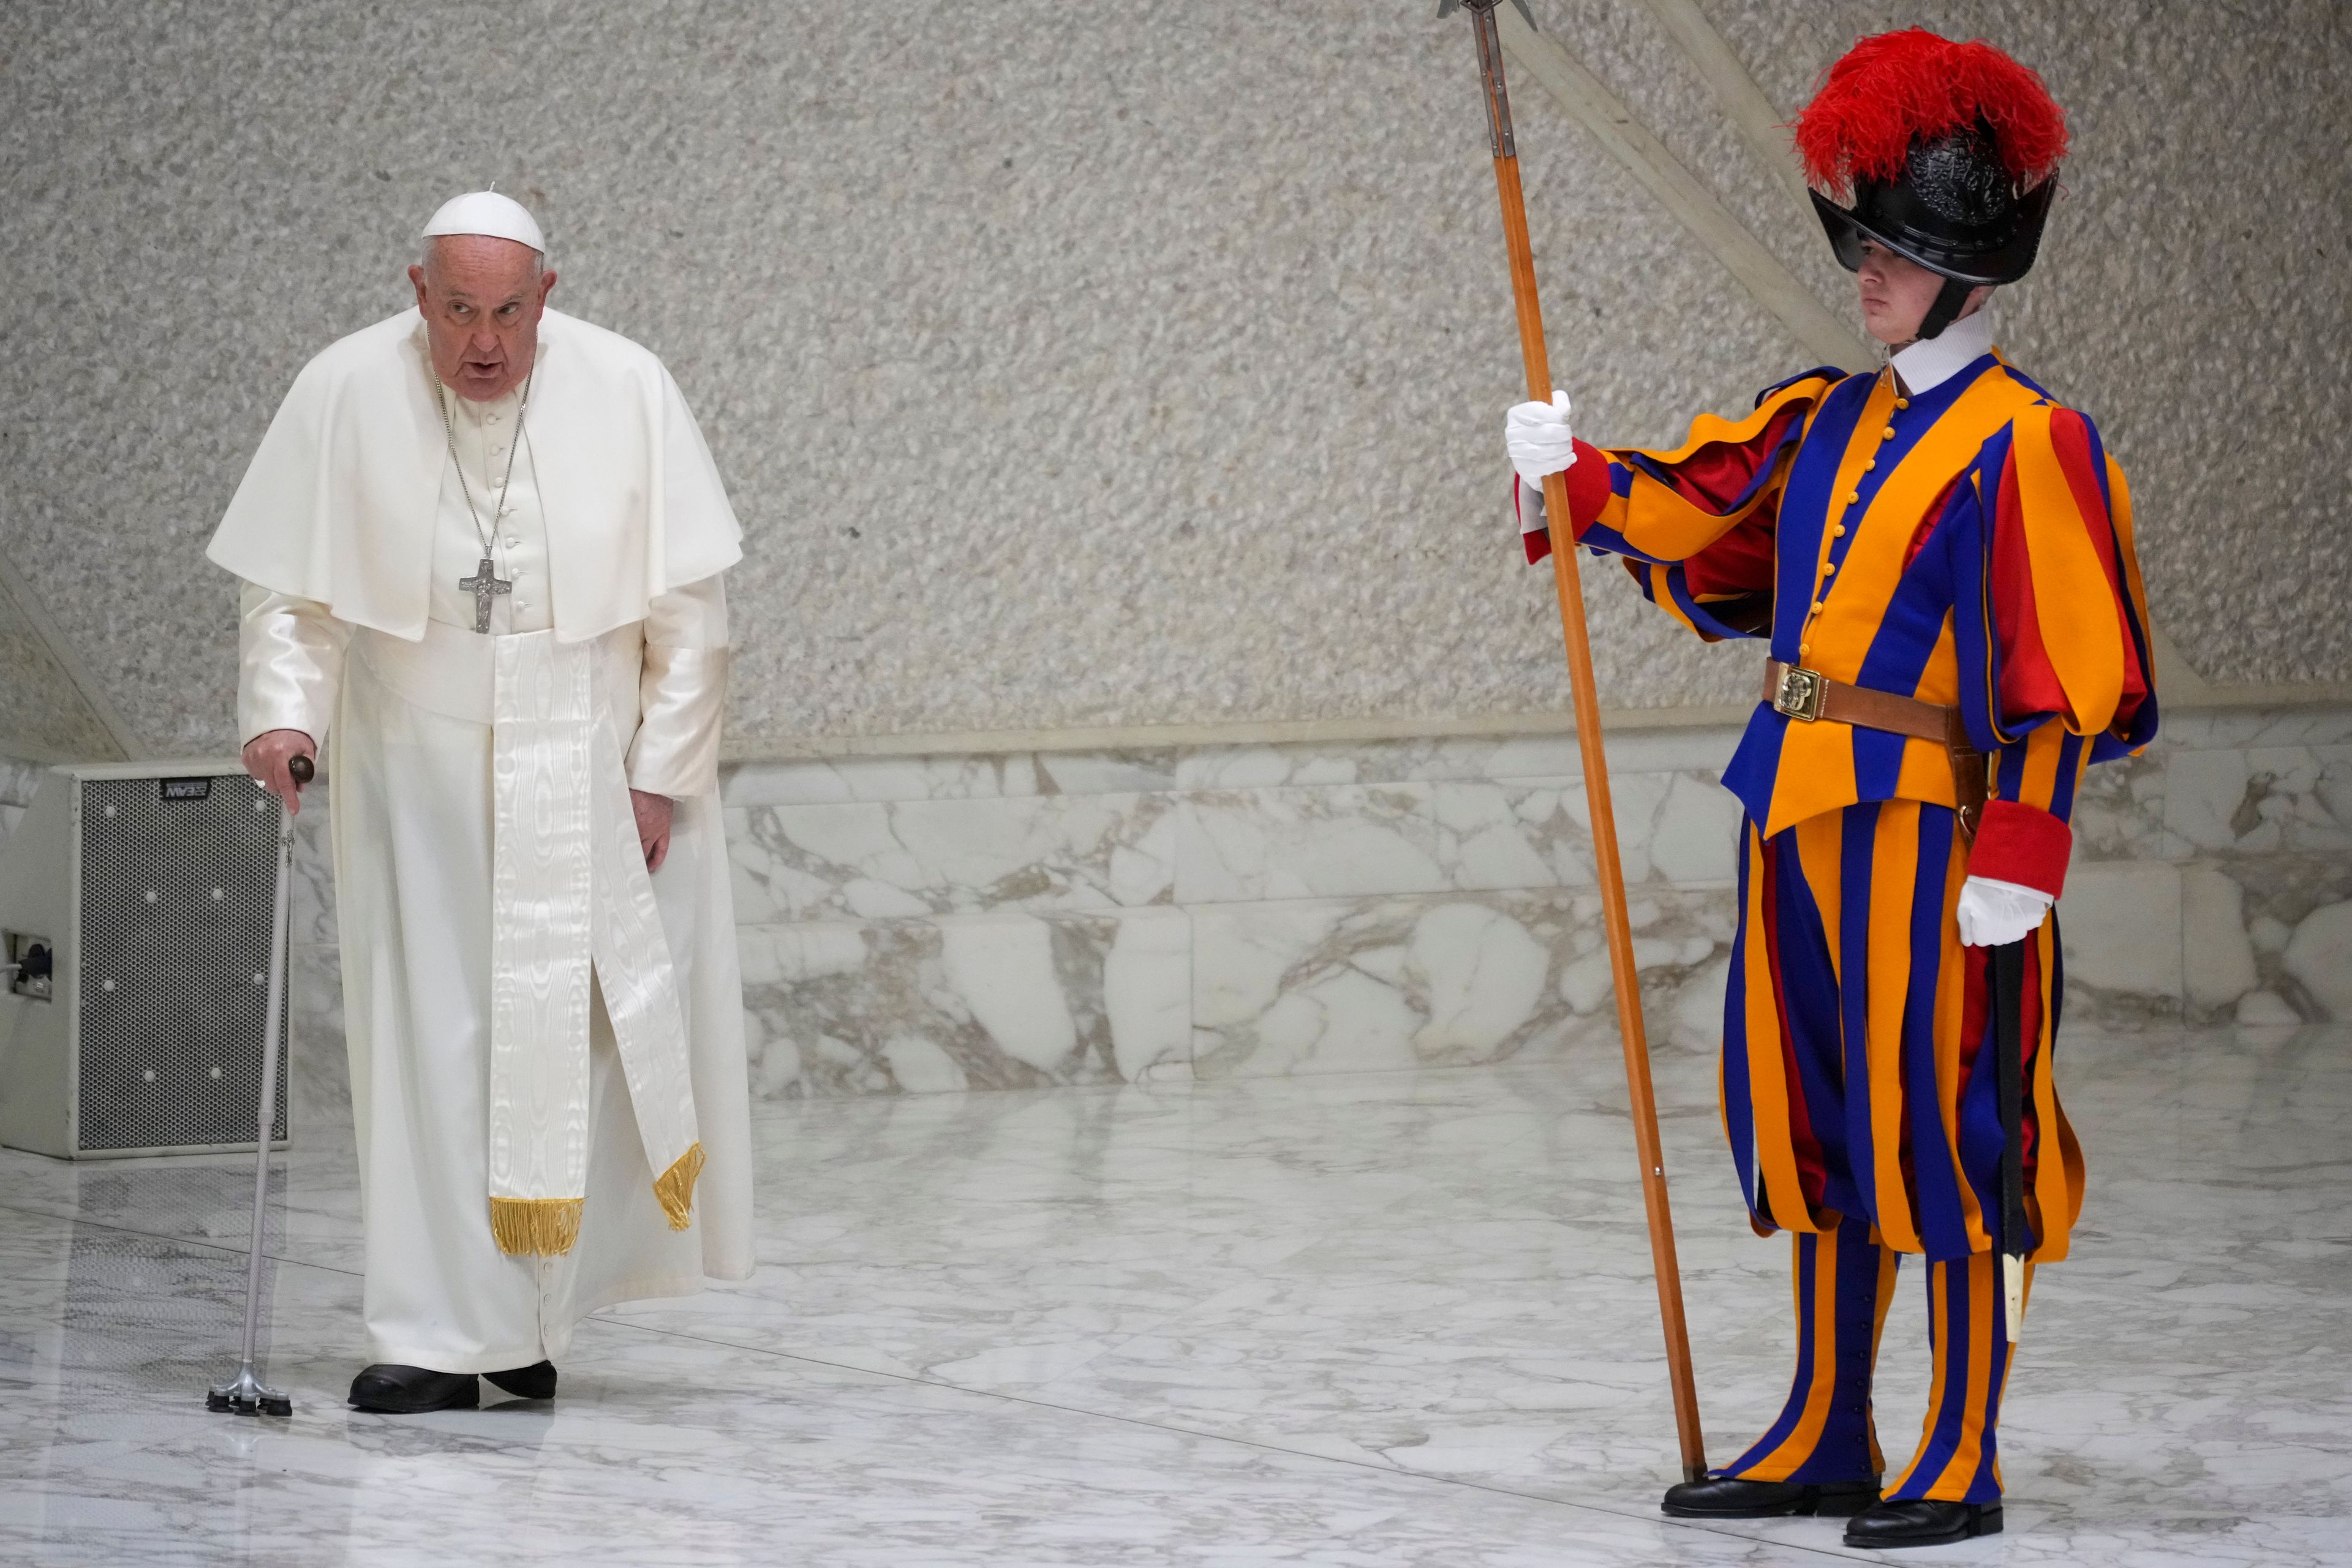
column 1856, row 1024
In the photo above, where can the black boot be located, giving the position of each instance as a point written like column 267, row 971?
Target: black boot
column 536, row 1381
column 390, row 1390
column 1918, row 1521
column 1728, row 1497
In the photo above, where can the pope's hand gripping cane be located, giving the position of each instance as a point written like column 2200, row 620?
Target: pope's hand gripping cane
column 247, row 1395
column 1611, row 875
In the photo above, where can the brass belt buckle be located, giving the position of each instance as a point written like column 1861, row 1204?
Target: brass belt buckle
column 1801, row 694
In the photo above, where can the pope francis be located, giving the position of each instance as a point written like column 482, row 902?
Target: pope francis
column 482, row 545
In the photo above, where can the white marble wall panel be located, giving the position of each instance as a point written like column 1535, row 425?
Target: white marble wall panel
column 2121, row 922
column 1338, row 985
column 19, row 779
column 2261, row 800
column 1680, row 828
column 890, row 859
column 1011, row 773
column 1306, row 842
column 2213, row 876
column 1000, row 1000
column 2119, row 812
column 1044, row 917
column 1462, row 835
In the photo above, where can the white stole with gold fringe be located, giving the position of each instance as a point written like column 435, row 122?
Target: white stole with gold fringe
column 571, row 904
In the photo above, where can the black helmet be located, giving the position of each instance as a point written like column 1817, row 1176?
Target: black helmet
column 1950, row 151
column 1954, row 210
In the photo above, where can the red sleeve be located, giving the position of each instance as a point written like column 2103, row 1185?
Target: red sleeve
column 2022, row 844
column 1588, row 492
column 2030, row 678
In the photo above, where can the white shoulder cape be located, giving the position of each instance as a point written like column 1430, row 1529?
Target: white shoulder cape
column 338, row 503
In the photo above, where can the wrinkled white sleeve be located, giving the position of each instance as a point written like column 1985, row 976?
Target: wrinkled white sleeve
column 683, row 691
column 289, row 664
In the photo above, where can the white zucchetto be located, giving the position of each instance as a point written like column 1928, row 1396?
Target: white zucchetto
column 487, row 211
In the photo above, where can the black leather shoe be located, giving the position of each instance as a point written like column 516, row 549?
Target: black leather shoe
column 390, row 1390
column 1918, row 1521
column 1728, row 1497
column 536, row 1381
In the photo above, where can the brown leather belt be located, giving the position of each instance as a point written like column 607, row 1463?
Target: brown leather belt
column 1808, row 696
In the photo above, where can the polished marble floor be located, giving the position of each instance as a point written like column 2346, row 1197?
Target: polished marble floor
column 1355, row 1320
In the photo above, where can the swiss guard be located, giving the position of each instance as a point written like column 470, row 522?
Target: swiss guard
column 1940, row 556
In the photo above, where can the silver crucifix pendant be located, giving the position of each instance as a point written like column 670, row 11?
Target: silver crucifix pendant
column 485, row 584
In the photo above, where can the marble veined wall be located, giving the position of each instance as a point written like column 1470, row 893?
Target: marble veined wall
column 1118, row 364
column 917, row 924
column 1221, row 911
column 19, row 779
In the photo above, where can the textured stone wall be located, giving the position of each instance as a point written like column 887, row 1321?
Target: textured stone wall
column 42, row 714
column 1124, row 364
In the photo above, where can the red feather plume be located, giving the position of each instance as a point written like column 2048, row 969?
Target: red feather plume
column 1892, row 89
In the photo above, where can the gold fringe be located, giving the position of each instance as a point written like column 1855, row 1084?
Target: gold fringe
column 545, row 1227
column 675, row 1188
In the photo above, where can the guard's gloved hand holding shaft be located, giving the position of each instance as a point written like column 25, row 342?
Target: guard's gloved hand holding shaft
column 1994, row 913
column 1539, row 438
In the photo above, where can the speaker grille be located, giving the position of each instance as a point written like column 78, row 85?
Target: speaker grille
column 175, row 903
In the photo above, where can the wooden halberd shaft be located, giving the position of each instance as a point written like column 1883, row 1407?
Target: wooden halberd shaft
column 1607, row 865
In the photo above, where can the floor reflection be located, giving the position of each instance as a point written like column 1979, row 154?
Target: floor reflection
column 1370, row 1321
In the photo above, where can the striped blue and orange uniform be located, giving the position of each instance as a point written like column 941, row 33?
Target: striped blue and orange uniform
column 1971, row 546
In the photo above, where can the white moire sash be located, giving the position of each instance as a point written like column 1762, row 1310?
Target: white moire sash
column 571, row 907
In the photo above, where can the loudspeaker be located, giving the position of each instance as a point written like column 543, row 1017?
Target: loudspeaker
column 134, row 909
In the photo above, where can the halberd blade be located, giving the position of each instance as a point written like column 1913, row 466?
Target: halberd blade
column 1447, row 8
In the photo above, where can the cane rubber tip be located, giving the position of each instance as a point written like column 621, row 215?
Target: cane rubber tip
column 280, row 1405
column 303, row 769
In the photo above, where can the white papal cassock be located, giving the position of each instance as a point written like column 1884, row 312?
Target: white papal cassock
column 493, row 929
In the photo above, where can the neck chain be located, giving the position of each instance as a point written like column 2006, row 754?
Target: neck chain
column 449, row 429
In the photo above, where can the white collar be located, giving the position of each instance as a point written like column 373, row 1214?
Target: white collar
column 1929, row 363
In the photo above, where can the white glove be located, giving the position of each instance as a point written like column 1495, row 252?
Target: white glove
column 1539, row 438
column 1994, row 913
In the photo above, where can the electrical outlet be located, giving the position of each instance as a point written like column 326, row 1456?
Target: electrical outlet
column 30, row 965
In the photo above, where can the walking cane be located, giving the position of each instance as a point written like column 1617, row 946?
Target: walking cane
column 1611, row 876
column 247, row 1396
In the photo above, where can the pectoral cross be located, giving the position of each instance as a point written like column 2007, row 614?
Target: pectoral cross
column 486, row 585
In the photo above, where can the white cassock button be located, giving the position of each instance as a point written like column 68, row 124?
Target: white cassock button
column 494, row 419
column 512, row 541
column 522, row 603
